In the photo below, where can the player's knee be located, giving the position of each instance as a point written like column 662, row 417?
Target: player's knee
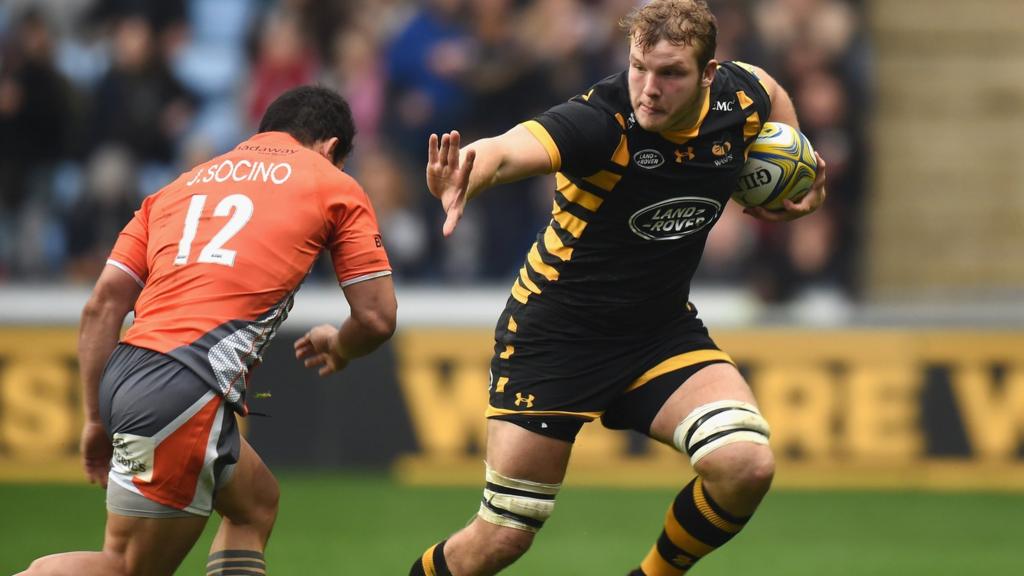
column 45, row 566
column 39, row 567
column 745, row 467
column 260, row 509
column 516, row 509
column 266, row 505
column 65, row 565
column 711, row 427
column 522, row 505
column 759, row 469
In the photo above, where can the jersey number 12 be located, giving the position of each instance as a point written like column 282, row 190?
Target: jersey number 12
column 238, row 206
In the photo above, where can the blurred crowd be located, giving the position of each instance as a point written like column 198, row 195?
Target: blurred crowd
column 104, row 101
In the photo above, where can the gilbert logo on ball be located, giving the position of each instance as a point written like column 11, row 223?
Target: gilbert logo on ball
column 780, row 165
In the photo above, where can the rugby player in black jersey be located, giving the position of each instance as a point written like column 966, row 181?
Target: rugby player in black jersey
column 599, row 324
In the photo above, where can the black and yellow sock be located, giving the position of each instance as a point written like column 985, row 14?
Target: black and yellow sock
column 694, row 526
column 236, row 563
column 432, row 562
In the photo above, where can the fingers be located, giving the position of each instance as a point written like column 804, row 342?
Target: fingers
column 432, row 149
column 304, row 347
column 326, row 364
column 333, row 365
column 445, row 154
column 96, row 472
column 821, row 172
column 762, row 214
column 467, row 168
column 101, row 474
column 452, row 220
column 446, row 144
column 315, row 361
column 771, row 215
column 801, row 208
column 453, row 150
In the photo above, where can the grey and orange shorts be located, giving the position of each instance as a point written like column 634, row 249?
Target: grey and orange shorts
column 175, row 439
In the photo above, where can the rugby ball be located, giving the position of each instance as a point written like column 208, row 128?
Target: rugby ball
column 780, row 164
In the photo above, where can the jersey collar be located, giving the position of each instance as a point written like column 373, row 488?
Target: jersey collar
column 680, row 136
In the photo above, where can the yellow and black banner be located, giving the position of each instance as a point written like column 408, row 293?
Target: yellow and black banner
column 848, row 408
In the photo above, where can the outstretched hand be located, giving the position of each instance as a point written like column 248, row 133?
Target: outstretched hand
column 448, row 177
column 793, row 210
column 316, row 349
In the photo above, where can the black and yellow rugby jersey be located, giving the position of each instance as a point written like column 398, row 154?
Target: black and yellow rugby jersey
column 633, row 208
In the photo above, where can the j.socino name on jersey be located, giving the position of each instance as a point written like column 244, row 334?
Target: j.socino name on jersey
column 674, row 218
column 244, row 171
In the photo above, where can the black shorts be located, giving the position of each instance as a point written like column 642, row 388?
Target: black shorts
column 551, row 378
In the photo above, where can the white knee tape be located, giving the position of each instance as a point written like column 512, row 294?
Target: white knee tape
column 711, row 426
column 519, row 504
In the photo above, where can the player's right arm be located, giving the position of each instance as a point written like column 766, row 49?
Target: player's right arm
column 112, row 299
column 455, row 176
column 363, row 271
column 371, row 323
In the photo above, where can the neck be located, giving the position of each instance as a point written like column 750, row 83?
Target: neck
column 692, row 116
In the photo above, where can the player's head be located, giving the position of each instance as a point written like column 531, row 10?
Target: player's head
column 313, row 115
column 671, row 61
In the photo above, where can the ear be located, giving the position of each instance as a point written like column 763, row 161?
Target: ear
column 326, row 148
column 708, row 75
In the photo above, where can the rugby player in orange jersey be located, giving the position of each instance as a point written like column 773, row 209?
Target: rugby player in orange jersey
column 210, row 265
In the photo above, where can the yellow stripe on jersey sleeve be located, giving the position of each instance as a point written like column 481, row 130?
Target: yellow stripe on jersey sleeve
column 542, row 136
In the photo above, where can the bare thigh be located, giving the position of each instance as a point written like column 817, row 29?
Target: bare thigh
column 712, row 383
column 151, row 546
column 251, row 491
column 516, row 452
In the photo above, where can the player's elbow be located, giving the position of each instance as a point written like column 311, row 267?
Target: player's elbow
column 112, row 298
column 379, row 321
column 105, row 305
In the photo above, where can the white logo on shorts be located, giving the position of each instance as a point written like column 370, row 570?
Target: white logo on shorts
column 133, row 456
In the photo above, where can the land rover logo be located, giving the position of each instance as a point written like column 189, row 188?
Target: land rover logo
column 648, row 158
column 674, row 218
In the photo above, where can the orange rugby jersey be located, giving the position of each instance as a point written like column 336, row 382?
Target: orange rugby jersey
column 221, row 251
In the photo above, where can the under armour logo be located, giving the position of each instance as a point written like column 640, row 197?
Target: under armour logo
column 528, row 399
column 688, row 155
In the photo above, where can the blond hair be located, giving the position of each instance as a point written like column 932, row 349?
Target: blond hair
column 681, row 22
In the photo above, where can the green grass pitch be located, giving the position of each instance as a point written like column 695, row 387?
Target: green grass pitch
column 368, row 525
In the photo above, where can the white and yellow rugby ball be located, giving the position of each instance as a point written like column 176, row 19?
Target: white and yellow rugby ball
column 780, row 164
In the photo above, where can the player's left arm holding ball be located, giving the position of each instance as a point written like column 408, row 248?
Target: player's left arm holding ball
column 784, row 111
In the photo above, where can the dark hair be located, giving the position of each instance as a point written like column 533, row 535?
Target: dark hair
column 312, row 114
column 681, row 22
